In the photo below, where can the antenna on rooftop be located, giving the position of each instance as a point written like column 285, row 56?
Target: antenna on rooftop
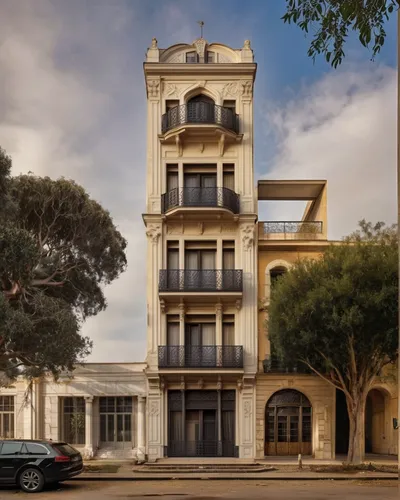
column 201, row 24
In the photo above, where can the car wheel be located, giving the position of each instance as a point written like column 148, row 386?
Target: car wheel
column 31, row 480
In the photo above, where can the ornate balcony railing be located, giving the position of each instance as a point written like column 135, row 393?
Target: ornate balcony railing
column 206, row 356
column 200, row 197
column 205, row 113
column 273, row 364
column 201, row 280
column 293, row 227
column 203, row 448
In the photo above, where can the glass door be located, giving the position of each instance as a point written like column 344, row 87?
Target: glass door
column 116, row 422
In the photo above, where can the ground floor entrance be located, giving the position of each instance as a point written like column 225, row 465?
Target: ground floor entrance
column 115, row 422
column 201, row 423
column 288, row 424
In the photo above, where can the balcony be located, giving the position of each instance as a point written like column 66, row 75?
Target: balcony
column 273, row 364
column 208, row 356
column 290, row 230
column 200, row 197
column 200, row 113
column 201, row 280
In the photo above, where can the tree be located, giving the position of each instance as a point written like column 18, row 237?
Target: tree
column 338, row 315
column 58, row 248
column 332, row 20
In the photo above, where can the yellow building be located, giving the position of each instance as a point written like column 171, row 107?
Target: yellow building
column 298, row 412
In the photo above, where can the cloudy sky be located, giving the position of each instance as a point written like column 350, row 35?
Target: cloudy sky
column 72, row 103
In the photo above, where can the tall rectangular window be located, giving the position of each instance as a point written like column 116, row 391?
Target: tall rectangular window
column 229, row 176
column 73, row 420
column 7, row 416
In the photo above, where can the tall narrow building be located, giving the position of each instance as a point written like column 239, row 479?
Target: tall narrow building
column 201, row 259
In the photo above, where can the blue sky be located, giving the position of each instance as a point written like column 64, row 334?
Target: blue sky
column 72, row 103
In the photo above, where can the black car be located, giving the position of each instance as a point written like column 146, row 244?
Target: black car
column 31, row 464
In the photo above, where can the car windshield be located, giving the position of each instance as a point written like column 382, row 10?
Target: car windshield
column 66, row 449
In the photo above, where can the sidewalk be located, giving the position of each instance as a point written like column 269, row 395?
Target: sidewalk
column 262, row 476
column 286, row 473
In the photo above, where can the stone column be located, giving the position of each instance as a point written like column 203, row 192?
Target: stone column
column 88, row 452
column 182, row 324
column 141, row 417
column 218, row 333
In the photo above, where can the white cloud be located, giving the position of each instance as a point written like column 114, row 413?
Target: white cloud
column 343, row 129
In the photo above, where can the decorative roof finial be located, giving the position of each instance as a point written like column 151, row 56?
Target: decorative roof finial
column 201, row 23
column 246, row 44
column 154, row 43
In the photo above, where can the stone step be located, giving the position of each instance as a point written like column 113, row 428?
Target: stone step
column 200, row 468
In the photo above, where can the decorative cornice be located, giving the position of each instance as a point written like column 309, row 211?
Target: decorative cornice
column 178, row 69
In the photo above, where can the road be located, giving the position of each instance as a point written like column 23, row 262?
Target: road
column 210, row 490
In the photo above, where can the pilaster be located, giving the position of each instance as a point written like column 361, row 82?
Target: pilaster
column 88, row 452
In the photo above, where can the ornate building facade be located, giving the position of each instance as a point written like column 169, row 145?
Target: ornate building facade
column 201, row 259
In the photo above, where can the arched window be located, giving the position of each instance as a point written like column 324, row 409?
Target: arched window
column 288, row 420
column 276, row 273
column 200, row 109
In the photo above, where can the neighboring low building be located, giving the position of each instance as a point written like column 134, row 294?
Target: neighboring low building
column 100, row 409
column 298, row 412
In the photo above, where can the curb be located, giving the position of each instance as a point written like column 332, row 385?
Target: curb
column 188, row 477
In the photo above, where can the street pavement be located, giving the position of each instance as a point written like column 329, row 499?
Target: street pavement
column 212, row 489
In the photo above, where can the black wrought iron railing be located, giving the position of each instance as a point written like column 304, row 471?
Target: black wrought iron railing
column 307, row 227
column 207, row 448
column 205, row 356
column 201, row 280
column 205, row 113
column 200, row 197
column 273, row 364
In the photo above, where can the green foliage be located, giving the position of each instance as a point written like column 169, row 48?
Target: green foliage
column 339, row 314
column 330, row 21
column 58, row 249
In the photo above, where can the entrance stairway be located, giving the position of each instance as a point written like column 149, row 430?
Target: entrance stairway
column 200, row 466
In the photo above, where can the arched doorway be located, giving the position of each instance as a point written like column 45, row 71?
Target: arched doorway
column 375, row 439
column 200, row 109
column 288, row 424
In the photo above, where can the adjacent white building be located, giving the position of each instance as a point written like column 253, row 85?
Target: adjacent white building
column 100, row 409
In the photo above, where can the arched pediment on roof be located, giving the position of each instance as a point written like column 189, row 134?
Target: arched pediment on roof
column 175, row 53
column 218, row 52
column 224, row 54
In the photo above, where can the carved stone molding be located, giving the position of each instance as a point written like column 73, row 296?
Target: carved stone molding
column 171, row 90
column 183, row 384
column 247, row 89
column 219, row 309
column 200, row 46
column 247, row 409
column 200, row 383
column 219, row 383
column 231, row 88
column 153, row 233
column 154, row 409
column 163, row 306
column 153, row 88
column 239, row 384
column 248, row 236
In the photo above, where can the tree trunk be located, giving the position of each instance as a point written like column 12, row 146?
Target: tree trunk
column 356, row 410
